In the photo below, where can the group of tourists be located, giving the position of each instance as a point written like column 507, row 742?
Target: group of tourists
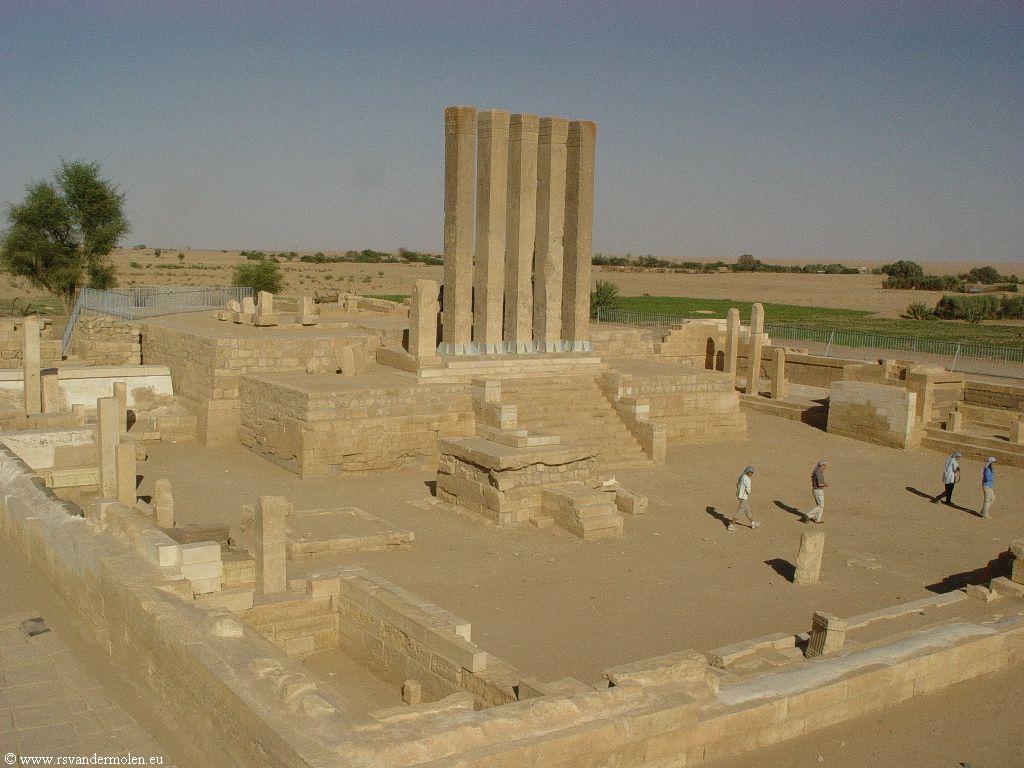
column 950, row 477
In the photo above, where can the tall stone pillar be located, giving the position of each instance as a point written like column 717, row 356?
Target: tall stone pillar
column 30, row 364
column 107, row 437
column 780, row 387
column 423, row 320
column 732, row 342
column 491, row 191
column 547, row 288
column 271, row 544
column 578, row 236
column 757, row 317
column 521, row 232
column 459, row 151
column 754, row 360
column 163, row 503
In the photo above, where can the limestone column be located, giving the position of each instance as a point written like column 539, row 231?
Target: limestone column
column 423, row 320
column 547, row 286
column 459, row 153
column 578, row 236
column 107, row 437
column 520, row 232
column 30, row 364
column 808, row 559
column 732, row 342
column 126, row 473
column 50, row 389
column 757, row 317
column 491, row 191
column 271, row 545
column 754, row 361
column 780, row 387
column 121, row 395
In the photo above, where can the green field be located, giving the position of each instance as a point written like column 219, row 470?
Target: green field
column 832, row 319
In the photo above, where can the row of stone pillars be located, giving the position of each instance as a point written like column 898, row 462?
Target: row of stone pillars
column 755, row 352
column 517, row 274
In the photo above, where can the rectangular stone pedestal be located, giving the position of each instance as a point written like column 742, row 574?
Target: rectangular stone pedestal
column 587, row 513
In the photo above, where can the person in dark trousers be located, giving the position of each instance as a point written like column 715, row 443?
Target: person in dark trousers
column 950, row 477
column 818, row 486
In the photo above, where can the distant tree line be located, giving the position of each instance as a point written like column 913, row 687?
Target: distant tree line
column 909, row 275
column 745, row 263
column 365, row 256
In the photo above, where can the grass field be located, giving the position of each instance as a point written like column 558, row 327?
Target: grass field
column 831, row 318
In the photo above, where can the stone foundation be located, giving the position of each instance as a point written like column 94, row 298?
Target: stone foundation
column 874, row 413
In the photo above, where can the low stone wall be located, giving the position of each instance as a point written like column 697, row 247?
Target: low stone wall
column 623, row 342
column 350, row 430
column 994, row 395
column 105, row 340
column 874, row 413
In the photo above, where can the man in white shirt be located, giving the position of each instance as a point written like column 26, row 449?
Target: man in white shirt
column 743, row 494
column 950, row 477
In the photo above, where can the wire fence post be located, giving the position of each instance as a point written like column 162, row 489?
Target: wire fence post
column 828, row 347
column 956, row 357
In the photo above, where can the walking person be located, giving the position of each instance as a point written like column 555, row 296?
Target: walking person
column 743, row 494
column 818, row 486
column 950, row 477
column 988, row 484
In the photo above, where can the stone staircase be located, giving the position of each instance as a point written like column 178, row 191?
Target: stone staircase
column 575, row 409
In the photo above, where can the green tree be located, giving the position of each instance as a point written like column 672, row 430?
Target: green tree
column 604, row 298
column 986, row 275
column 910, row 270
column 61, row 234
column 262, row 275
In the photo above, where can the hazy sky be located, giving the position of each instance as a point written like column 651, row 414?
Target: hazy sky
column 818, row 131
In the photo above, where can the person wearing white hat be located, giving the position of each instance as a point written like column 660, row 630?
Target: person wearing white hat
column 988, row 483
column 743, row 494
column 818, row 486
column 950, row 477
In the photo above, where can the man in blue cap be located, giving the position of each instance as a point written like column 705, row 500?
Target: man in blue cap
column 743, row 494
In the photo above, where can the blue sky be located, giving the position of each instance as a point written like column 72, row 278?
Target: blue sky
column 815, row 131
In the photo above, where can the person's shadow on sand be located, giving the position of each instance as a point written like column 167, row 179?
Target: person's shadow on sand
column 957, row 507
column 717, row 515
column 786, row 508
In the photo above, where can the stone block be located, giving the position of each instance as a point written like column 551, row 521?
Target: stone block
column 828, row 635
column 126, row 473
column 163, row 503
column 200, row 552
column 630, row 503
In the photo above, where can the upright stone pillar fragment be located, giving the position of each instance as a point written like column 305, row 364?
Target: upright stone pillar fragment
column 828, row 635
column 732, row 342
column 423, row 320
column 521, row 232
column 30, row 364
column 121, row 395
column 491, row 191
column 808, row 559
column 780, row 387
column 271, row 544
column 163, row 503
column 265, row 315
column 126, row 473
column 578, row 235
column 459, row 155
column 548, row 263
column 754, row 360
column 756, row 318
column 108, row 435
column 52, row 402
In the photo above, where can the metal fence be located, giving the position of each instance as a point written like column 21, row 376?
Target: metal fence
column 833, row 339
column 149, row 301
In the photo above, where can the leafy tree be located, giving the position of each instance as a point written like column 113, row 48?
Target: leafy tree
column 910, row 270
column 61, row 234
column 986, row 275
column 260, row 275
column 604, row 298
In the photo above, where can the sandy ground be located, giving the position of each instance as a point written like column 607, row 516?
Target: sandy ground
column 555, row 606
column 214, row 268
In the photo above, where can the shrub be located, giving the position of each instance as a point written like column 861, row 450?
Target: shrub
column 971, row 308
column 254, row 255
column 604, row 298
column 264, row 275
column 919, row 311
column 1012, row 308
column 157, row 253
column 986, row 275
